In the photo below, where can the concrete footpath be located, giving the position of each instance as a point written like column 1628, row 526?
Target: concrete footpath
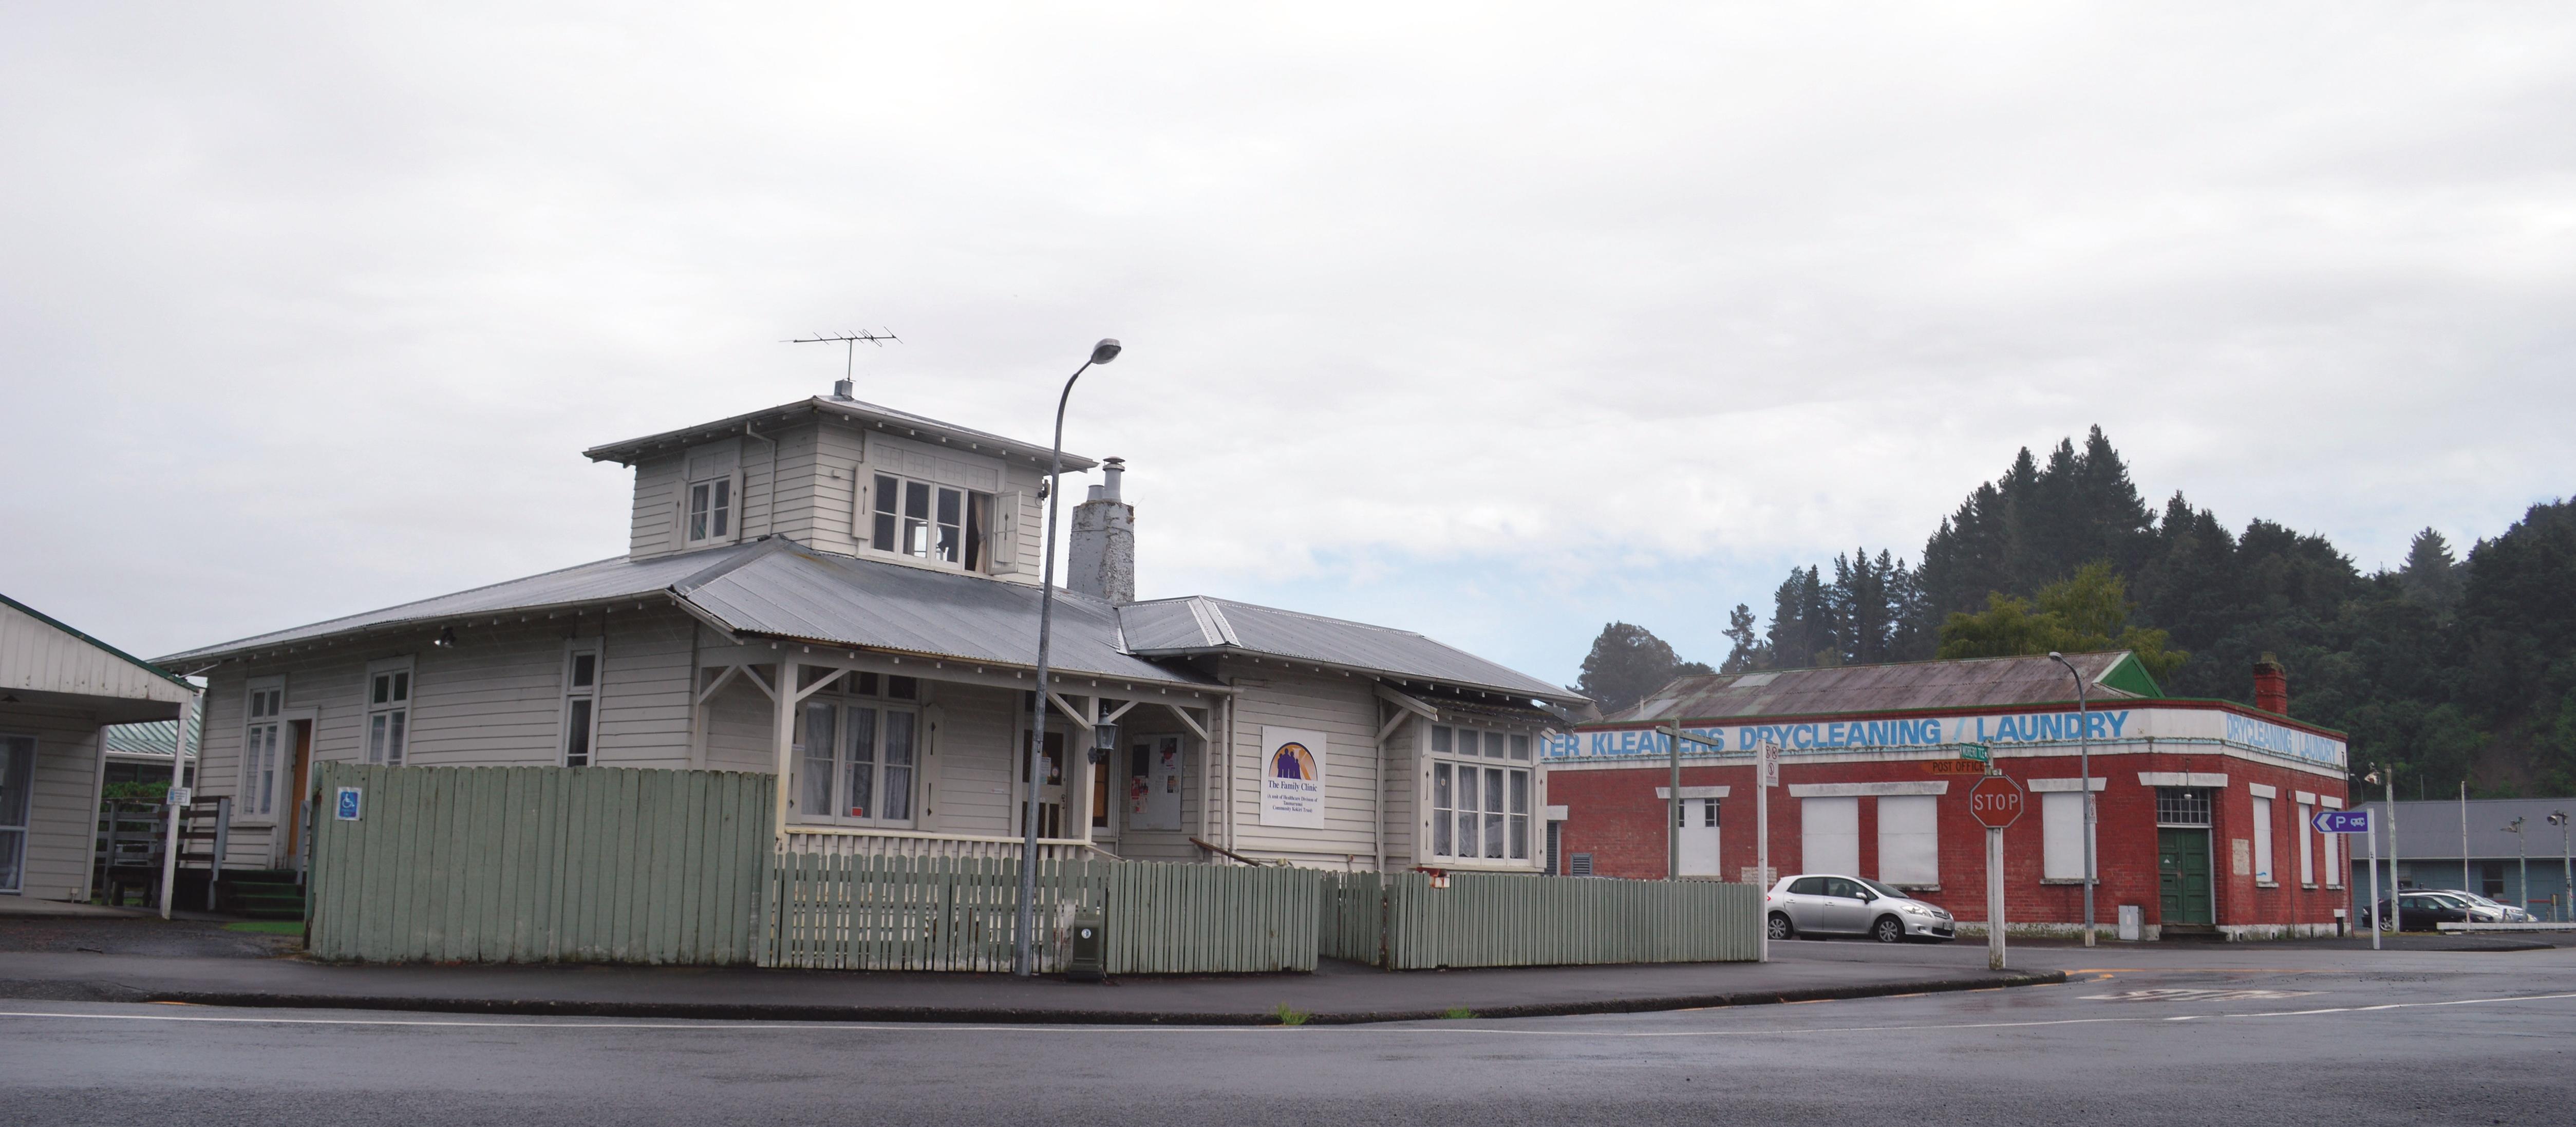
column 96, row 964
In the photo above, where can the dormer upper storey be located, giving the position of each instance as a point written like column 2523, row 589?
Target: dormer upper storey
column 842, row 476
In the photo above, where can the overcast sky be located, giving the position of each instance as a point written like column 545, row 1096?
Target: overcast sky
column 1495, row 323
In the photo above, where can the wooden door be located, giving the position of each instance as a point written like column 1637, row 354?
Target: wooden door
column 2182, row 869
column 300, row 773
column 1050, row 789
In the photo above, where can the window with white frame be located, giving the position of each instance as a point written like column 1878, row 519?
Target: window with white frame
column 928, row 521
column 2307, row 844
column 581, row 702
column 265, row 699
column 2061, row 836
column 859, row 753
column 388, row 711
column 708, row 517
column 1909, row 839
column 1480, row 794
column 2263, row 841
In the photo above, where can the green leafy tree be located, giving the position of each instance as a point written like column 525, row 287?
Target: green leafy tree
column 2086, row 613
column 1626, row 663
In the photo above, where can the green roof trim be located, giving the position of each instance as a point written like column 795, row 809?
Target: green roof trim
column 2130, row 676
column 67, row 628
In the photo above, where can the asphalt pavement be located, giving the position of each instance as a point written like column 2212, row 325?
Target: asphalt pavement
column 2152, row 1034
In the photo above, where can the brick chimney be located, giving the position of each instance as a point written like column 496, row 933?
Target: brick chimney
column 2271, row 686
column 1101, row 559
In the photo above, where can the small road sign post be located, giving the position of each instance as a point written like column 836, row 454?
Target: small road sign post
column 2358, row 822
column 1995, row 802
column 1979, row 752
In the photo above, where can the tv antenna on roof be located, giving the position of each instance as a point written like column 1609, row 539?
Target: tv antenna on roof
column 850, row 361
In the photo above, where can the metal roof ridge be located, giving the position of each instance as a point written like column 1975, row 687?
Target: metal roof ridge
column 239, row 643
column 68, row 628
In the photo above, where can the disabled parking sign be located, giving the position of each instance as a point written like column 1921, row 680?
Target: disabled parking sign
column 345, row 807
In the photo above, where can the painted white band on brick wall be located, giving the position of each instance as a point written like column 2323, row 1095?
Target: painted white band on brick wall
column 2065, row 785
column 2180, row 779
column 1666, row 793
column 1851, row 790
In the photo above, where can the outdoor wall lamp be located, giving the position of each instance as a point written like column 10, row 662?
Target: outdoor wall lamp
column 1104, row 739
column 446, row 639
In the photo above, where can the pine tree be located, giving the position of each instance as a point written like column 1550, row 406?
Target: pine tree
column 2431, row 578
column 1749, row 652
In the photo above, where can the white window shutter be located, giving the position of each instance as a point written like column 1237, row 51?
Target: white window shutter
column 862, row 518
column 1006, row 533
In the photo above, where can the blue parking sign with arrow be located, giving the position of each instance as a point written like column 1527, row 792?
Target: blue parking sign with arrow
column 2341, row 821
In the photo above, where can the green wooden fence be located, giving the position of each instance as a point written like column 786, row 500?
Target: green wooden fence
column 539, row 864
column 1494, row 920
column 957, row 914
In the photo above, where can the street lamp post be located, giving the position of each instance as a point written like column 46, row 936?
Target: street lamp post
column 2083, row 783
column 1021, row 964
column 2566, row 869
column 2522, row 890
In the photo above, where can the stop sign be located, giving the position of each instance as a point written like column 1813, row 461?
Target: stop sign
column 1996, row 801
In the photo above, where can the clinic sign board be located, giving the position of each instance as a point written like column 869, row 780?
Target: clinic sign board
column 2131, row 724
column 1292, row 777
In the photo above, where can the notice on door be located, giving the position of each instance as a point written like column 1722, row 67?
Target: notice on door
column 1154, row 785
column 1292, row 777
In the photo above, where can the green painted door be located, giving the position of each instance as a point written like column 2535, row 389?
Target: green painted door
column 2182, row 868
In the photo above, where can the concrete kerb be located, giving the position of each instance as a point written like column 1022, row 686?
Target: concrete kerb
column 701, row 1011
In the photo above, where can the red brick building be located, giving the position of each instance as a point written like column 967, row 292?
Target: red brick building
column 2202, row 807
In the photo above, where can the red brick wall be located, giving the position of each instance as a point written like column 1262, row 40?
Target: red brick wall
column 1614, row 815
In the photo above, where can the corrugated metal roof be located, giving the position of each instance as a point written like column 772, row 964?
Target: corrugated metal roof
column 777, row 588
column 794, row 592
column 588, row 583
column 869, row 414
column 1199, row 624
column 2430, row 831
column 153, row 738
column 1966, row 683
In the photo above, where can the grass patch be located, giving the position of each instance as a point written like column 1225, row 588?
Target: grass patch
column 1457, row 1013
column 268, row 927
column 1289, row 1015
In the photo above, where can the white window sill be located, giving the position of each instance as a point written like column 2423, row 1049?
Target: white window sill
column 2267, row 884
column 2070, row 881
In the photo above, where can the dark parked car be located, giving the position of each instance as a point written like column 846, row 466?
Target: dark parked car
column 2419, row 911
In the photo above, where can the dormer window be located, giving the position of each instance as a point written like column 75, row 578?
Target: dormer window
column 710, row 519
column 939, row 523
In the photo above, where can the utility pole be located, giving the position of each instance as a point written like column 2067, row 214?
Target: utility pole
column 2566, row 869
column 2083, row 784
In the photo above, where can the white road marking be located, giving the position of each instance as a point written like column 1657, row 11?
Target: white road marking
column 2181, row 994
column 1205, row 1030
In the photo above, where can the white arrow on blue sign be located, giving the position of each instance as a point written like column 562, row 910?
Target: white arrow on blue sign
column 2342, row 821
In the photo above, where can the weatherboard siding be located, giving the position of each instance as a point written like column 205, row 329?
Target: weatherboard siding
column 493, row 699
column 1345, row 710
column 63, row 799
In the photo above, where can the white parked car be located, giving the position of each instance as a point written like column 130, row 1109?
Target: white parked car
column 1832, row 904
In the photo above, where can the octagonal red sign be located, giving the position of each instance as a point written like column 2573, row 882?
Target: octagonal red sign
column 1996, row 801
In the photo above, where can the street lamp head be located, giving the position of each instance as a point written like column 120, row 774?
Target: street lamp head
column 1105, row 351
column 2053, row 655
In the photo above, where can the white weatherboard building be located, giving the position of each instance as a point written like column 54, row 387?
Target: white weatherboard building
column 846, row 596
column 60, row 689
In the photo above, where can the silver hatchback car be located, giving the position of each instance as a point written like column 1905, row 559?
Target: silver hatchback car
column 1829, row 904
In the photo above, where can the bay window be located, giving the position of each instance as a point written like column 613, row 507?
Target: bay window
column 1480, row 794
